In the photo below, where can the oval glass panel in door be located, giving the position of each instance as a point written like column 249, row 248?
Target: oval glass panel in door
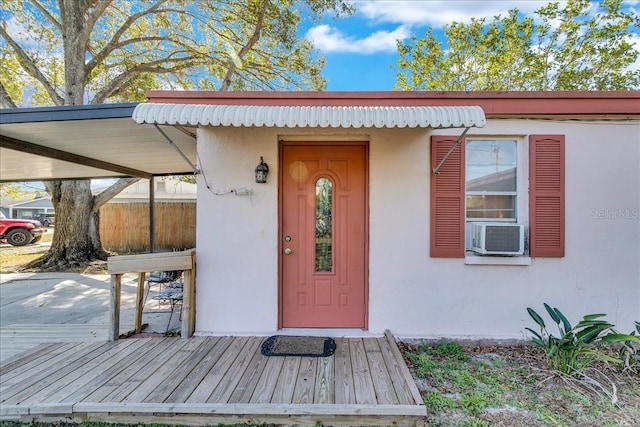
column 324, row 228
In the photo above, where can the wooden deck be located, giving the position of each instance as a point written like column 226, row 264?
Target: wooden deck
column 17, row 339
column 208, row 381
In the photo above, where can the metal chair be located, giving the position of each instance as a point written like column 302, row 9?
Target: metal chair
column 160, row 278
column 172, row 294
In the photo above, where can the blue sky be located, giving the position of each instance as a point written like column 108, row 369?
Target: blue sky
column 361, row 50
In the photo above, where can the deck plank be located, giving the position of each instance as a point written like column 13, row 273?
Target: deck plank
column 362, row 381
column 78, row 373
column 105, row 378
column 266, row 385
column 233, row 375
column 344, row 388
column 193, row 380
column 249, row 378
column 305, row 382
column 324, row 390
column 19, row 387
column 17, row 359
column 17, row 339
column 411, row 384
column 35, row 357
column 283, row 390
column 403, row 391
column 382, row 384
column 213, row 382
column 163, row 369
column 181, row 372
column 135, row 371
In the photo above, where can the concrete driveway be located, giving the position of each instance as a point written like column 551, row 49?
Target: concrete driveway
column 49, row 307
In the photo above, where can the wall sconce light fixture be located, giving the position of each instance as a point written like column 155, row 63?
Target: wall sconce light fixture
column 262, row 170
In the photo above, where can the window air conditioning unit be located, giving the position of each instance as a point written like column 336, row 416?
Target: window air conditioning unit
column 495, row 238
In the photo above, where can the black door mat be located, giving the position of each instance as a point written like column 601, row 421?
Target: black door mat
column 287, row 345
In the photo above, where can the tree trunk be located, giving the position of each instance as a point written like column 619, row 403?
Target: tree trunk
column 72, row 13
column 76, row 241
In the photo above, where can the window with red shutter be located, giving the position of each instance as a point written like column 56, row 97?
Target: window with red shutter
column 447, row 199
column 546, row 195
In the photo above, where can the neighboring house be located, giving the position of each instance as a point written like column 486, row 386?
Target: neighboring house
column 5, row 202
column 353, row 229
column 30, row 208
column 167, row 190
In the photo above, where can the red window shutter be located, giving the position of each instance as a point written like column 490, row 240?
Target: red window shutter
column 447, row 199
column 546, row 195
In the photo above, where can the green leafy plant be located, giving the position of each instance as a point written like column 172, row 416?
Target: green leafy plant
column 437, row 402
column 572, row 350
column 629, row 352
column 474, row 403
column 423, row 364
column 450, row 349
column 475, row 423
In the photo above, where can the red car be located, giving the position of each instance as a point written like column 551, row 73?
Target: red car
column 20, row 232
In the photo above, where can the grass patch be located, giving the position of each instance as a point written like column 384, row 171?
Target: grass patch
column 437, row 402
column 12, row 257
column 11, row 262
column 103, row 424
column 511, row 386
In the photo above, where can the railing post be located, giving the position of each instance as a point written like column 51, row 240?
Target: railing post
column 139, row 302
column 188, row 300
column 142, row 263
column 114, row 320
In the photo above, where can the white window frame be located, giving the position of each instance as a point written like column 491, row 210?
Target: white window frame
column 522, row 202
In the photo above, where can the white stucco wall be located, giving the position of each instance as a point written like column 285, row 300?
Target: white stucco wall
column 410, row 293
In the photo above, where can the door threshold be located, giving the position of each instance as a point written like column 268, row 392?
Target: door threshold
column 331, row 332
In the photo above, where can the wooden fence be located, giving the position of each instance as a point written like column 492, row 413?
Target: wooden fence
column 124, row 227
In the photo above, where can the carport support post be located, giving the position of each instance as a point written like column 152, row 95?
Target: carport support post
column 152, row 214
column 114, row 321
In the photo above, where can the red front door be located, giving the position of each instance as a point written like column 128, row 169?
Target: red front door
column 323, row 235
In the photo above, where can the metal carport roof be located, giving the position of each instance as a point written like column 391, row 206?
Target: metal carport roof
column 88, row 141
column 145, row 140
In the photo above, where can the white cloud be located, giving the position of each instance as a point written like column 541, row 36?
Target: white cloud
column 407, row 15
column 437, row 12
column 328, row 39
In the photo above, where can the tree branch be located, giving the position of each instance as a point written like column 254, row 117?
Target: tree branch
column 30, row 67
column 127, row 42
column 226, row 82
column 94, row 16
column 100, row 199
column 111, row 45
column 47, row 14
column 5, row 99
column 150, row 67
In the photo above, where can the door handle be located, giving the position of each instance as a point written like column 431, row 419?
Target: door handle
column 287, row 251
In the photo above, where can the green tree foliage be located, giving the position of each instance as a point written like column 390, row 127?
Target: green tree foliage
column 9, row 191
column 579, row 45
column 117, row 49
column 71, row 52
